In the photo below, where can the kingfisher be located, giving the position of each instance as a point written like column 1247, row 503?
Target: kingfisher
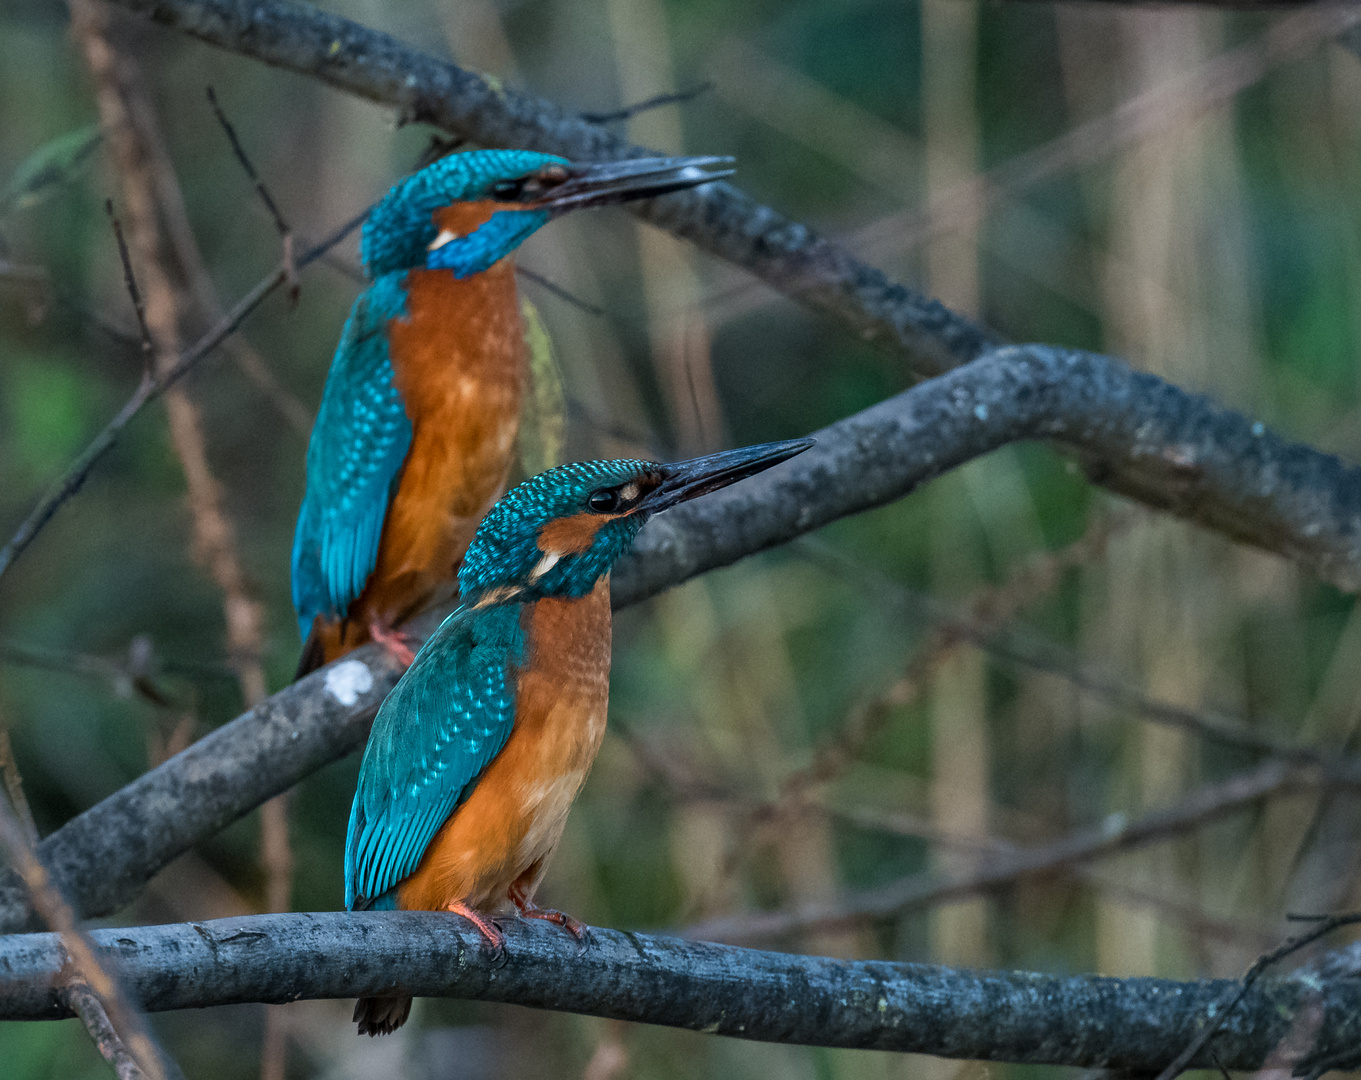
column 478, row 752
column 418, row 423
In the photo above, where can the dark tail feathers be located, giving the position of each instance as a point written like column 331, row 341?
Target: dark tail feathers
column 381, row 1015
column 313, row 652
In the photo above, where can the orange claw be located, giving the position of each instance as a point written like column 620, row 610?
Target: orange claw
column 485, row 926
column 394, row 642
column 530, row 910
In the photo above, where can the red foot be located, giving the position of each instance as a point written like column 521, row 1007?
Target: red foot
column 485, row 926
column 394, row 642
column 530, row 910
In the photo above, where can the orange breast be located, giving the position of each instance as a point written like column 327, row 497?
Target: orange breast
column 459, row 361
column 515, row 815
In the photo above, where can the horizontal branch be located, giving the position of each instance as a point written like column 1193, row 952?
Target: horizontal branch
column 103, row 857
column 726, row 222
column 1136, row 1025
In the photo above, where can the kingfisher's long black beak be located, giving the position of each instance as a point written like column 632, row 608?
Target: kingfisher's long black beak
column 622, row 181
column 684, row 480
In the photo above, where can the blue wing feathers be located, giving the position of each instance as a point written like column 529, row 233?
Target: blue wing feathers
column 443, row 723
column 354, row 461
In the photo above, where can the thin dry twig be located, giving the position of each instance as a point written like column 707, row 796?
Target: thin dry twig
column 1033, row 653
column 115, row 1016
column 628, row 112
column 86, row 1005
column 285, row 233
column 1216, row 1016
column 558, row 291
column 989, row 608
column 150, row 184
column 14, row 788
column 130, row 282
column 1116, row 835
column 918, row 827
column 1178, row 101
column 79, row 470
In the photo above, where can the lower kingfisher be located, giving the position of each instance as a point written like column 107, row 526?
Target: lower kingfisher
column 479, row 751
column 418, row 422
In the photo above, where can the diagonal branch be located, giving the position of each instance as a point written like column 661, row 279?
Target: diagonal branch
column 149, row 390
column 1113, row 837
column 1207, row 454
column 83, row 980
column 1137, row 1025
column 725, row 222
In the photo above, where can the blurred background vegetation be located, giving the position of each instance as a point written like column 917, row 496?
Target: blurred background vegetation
column 791, row 730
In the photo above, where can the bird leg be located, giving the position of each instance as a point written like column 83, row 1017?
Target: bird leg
column 396, row 643
column 485, row 926
column 530, row 910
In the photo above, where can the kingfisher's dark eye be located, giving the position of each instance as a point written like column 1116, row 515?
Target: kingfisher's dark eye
column 604, row 501
column 508, row 190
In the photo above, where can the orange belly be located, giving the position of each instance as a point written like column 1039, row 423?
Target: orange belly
column 511, row 822
column 459, row 361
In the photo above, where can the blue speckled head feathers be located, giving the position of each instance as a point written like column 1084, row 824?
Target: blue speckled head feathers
column 533, row 187
column 400, row 229
column 560, row 532
column 506, row 551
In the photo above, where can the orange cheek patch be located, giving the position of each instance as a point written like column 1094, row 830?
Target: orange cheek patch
column 461, row 218
column 571, row 535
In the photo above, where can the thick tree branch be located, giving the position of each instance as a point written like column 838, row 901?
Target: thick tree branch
column 1206, row 455
column 722, row 220
column 1129, row 1024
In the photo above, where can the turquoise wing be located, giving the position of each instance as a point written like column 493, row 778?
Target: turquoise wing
column 359, row 443
column 443, row 723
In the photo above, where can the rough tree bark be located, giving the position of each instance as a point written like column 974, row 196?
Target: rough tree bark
column 1134, row 1025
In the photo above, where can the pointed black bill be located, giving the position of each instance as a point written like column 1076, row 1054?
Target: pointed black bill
column 684, row 480
column 622, row 181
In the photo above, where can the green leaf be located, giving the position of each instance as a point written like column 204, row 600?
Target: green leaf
column 47, row 168
column 545, row 412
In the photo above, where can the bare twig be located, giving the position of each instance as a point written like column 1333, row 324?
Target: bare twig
column 558, row 291
column 285, row 233
column 1217, row 1015
column 917, row 827
column 1114, row 836
column 14, row 789
column 241, row 156
column 628, row 112
column 1028, row 651
column 990, row 607
column 79, row 471
column 120, row 673
column 83, row 1002
column 149, row 183
column 81, row 963
column 1178, row 101
column 130, row 282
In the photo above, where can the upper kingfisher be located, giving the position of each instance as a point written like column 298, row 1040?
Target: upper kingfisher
column 477, row 754
column 418, row 422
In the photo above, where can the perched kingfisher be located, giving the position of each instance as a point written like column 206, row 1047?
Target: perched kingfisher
column 418, row 422
column 479, row 751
